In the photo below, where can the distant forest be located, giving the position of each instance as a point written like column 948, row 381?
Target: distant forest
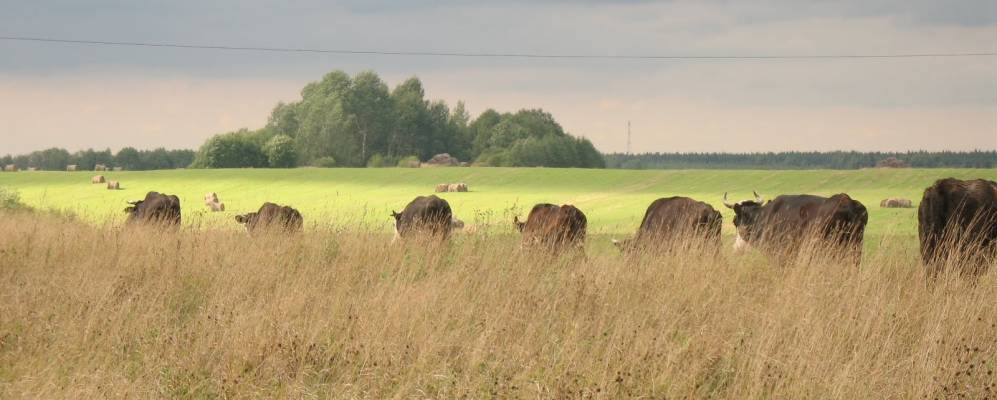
column 803, row 160
column 358, row 121
column 56, row 159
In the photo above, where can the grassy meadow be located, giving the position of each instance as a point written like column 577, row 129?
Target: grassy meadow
column 90, row 309
column 613, row 200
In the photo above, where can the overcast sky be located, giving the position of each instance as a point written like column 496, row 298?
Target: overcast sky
column 78, row 96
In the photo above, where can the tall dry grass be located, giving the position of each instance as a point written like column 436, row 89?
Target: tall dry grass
column 113, row 312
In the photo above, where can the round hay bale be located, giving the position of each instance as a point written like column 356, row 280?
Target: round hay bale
column 113, row 185
column 462, row 187
column 442, row 188
column 896, row 203
column 97, row 179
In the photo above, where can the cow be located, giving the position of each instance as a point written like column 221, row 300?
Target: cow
column 553, row 227
column 426, row 215
column 957, row 221
column 896, row 203
column 156, row 208
column 782, row 225
column 271, row 216
column 97, row 179
column 113, row 185
column 671, row 219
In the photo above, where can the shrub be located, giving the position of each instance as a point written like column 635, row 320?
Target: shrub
column 324, row 162
column 409, row 162
column 280, row 152
column 10, row 199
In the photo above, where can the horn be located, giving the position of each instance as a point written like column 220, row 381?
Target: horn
column 727, row 203
column 758, row 199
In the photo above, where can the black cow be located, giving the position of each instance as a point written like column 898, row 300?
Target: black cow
column 553, row 226
column 958, row 218
column 426, row 215
column 781, row 225
column 671, row 219
column 155, row 208
column 272, row 216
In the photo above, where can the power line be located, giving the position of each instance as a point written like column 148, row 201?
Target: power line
column 494, row 55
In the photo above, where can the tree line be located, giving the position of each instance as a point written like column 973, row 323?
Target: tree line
column 129, row 158
column 359, row 122
column 801, row 160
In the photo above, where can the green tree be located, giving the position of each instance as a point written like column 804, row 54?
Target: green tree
column 231, row 150
column 280, row 152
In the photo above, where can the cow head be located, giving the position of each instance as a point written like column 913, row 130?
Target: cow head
column 134, row 206
column 245, row 218
column 745, row 218
column 456, row 224
column 519, row 225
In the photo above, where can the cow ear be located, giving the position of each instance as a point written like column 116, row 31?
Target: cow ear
column 395, row 215
column 240, row 219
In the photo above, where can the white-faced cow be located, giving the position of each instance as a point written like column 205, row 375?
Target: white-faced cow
column 957, row 221
column 553, row 227
column 426, row 215
column 783, row 224
column 674, row 219
column 272, row 216
column 155, row 208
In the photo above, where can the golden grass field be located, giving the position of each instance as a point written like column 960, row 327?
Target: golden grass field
column 106, row 311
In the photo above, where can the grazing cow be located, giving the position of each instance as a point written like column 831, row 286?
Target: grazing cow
column 552, row 226
column 896, row 203
column 442, row 188
column 671, row 219
column 781, row 225
column 113, row 185
column 958, row 219
column 155, row 208
column 10, row 168
column 426, row 215
column 271, row 216
column 97, row 179
column 71, row 167
column 100, row 167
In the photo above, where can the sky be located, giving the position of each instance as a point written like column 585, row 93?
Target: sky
column 80, row 96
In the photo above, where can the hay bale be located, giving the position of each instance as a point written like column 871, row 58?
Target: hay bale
column 97, row 179
column 118, row 169
column 461, row 187
column 896, row 203
column 113, row 185
column 32, row 169
column 71, row 167
column 442, row 188
column 210, row 198
column 100, row 167
column 216, row 206
column 10, row 168
column 442, row 160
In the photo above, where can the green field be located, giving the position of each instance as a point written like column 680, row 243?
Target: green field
column 613, row 200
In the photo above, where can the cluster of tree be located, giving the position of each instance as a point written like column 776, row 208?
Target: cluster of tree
column 802, row 160
column 56, row 159
column 357, row 121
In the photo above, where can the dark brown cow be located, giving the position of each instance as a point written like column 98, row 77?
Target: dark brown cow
column 271, row 216
column 958, row 218
column 155, row 208
column 781, row 225
column 669, row 219
column 553, row 226
column 429, row 215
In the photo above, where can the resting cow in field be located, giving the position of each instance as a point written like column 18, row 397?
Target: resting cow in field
column 957, row 221
column 671, row 220
column 553, row 227
column 781, row 226
column 155, row 208
column 271, row 216
column 426, row 215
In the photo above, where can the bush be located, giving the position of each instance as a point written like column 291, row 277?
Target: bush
column 409, row 162
column 10, row 199
column 324, row 162
column 377, row 161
